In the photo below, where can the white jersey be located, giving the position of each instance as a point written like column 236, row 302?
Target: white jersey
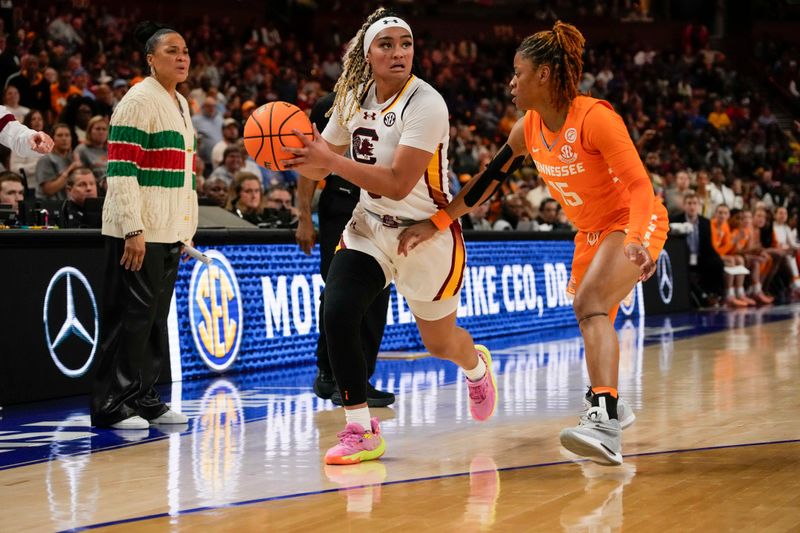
column 416, row 116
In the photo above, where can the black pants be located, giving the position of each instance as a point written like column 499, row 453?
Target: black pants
column 354, row 282
column 334, row 213
column 133, row 333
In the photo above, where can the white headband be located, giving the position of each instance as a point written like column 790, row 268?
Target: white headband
column 380, row 25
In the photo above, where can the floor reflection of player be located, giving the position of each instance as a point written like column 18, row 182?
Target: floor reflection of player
column 361, row 484
column 599, row 508
column 484, row 491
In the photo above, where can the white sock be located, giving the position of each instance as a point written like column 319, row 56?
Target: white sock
column 359, row 416
column 476, row 373
column 740, row 292
column 731, row 293
column 756, row 288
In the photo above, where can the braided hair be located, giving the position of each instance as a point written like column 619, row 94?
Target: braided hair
column 356, row 72
column 562, row 49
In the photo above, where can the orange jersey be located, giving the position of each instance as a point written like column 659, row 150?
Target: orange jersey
column 593, row 169
column 721, row 238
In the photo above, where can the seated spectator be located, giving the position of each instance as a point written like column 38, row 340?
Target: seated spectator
column 548, row 217
column 231, row 164
column 53, row 168
column 718, row 117
column 94, row 152
column 279, row 208
column 77, row 114
column 215, row 192
column 476, row 219
column 247, row 196
column 723, row 244
column 12, row 191
column 675, row 195
column 81, row 184
column 538, row 193
column 230, row 137
column 25, row 165
column 11, row 101
column 62, row 91
column 705, row 265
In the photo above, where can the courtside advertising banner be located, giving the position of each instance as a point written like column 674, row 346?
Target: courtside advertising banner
column 256, row 306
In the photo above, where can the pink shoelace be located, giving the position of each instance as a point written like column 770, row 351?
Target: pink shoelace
column 476, row 391
column 350, row 438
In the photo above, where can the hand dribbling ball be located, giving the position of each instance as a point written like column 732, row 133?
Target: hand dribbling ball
column 269, row 129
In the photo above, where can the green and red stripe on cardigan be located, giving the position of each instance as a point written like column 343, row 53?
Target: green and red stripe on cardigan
column 156, row 159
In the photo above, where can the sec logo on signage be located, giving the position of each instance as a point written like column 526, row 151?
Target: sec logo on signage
column 215, row 311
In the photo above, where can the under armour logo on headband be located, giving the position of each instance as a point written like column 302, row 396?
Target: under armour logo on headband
column 380, row 25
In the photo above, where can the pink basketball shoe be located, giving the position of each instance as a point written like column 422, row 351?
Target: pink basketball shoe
column 356, row 445
column 483, row 393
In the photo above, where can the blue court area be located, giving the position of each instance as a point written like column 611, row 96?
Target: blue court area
column 548, row 363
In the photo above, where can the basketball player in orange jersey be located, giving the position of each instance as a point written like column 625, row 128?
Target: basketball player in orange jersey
column 396, row 126
column 582, row 150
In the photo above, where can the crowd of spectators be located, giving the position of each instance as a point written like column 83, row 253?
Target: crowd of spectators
column 701, row 129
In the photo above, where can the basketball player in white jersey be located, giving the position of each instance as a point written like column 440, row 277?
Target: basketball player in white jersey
column 397, row 127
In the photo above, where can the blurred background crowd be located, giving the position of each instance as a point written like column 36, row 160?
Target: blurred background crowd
column 714, row 117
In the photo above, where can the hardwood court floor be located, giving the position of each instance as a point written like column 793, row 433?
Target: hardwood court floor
column 716, row 447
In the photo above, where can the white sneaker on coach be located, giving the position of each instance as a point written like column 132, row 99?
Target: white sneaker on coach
column 133, row 422
column 171, row 417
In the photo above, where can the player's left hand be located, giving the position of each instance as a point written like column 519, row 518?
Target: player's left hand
column 413, row 236
column 638, row 255
column 41, row 142
column 314, row 154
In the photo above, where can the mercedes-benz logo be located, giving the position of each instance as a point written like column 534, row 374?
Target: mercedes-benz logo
column 71, row 324
column 664, row 271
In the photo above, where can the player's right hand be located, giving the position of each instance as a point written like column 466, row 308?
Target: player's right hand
column 305, row 235
column 413, row 236
column 41, row 143
column 133, row 256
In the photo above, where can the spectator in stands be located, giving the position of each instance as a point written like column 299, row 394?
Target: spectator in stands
column 230, row 137
column 12, row 191
column 786, row 240
column 52, row 169
column 538, row 193
column 216, row 191
column 279, row 205
column 246, row 197
column 9, row 63
column 719, row 192
column 675, row 195
column 548, row 217
column 476, row 219
column 11, row 101
column 77, row 114
column 26, row 165
column 94, row 152
column 231, row 164
column 81, row 184
column 61, row 92
column 703, row 190
column 208, row 124
column 718, row 117
column 705, row 265
column 34, row 91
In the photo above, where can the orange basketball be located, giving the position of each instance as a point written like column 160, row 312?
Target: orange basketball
column 269, row 129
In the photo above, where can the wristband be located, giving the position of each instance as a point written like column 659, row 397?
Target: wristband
column 441, row 220
column 133, row 234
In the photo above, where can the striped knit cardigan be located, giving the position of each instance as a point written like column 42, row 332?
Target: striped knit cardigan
column 151, row 162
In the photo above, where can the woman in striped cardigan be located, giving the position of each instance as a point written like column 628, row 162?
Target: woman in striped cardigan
column 150, row 211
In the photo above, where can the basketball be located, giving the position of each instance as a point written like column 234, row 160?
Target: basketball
column 269, row 129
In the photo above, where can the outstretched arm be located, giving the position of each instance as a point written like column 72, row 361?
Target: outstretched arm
column 479, row 189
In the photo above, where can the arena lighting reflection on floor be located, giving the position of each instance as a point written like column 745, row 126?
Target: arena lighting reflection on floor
column 209, row 458
column 544, row 373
